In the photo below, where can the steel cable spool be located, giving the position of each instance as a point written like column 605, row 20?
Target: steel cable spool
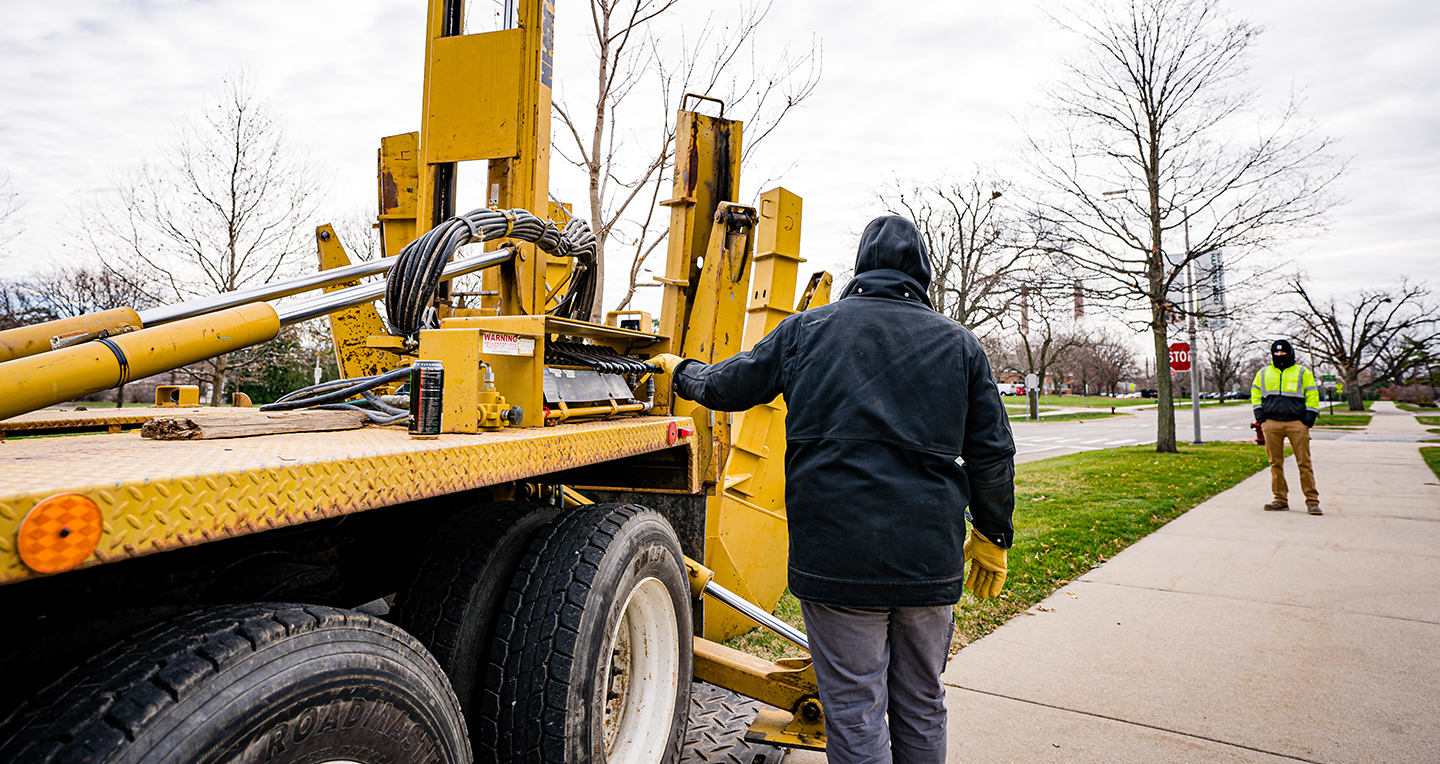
column 415, row 276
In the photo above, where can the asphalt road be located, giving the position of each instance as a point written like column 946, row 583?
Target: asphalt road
column 1042, row 439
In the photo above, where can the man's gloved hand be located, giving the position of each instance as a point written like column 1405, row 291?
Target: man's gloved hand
column 1259, row 418
column 987, row 567
column 666, row 362
column 1310, row 418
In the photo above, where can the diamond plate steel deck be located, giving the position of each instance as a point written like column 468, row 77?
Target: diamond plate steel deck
column 160, row 495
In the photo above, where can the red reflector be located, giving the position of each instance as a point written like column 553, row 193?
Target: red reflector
column 686, row 432
column 671, row 434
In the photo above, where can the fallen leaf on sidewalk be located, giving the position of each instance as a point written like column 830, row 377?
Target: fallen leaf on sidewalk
column 1073, row 594
column 1044, row 609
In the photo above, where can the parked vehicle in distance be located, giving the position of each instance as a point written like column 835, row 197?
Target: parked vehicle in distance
column 1149, row 393
column 1010, row 388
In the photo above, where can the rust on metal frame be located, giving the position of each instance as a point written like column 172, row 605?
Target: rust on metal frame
column 162, row 495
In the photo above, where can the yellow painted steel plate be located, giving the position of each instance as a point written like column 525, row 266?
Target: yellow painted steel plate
column 160, row 495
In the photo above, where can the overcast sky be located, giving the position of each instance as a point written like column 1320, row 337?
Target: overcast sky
column 913, row 90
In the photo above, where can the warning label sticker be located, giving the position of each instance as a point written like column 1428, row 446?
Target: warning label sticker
column 505, row 344
column 500, row 344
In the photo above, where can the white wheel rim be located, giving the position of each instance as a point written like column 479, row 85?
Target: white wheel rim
column 642, row 678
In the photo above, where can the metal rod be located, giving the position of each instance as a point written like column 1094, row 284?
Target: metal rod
column 756, row 614
column 1194, row 343
column 356, row 295
column 167, row 313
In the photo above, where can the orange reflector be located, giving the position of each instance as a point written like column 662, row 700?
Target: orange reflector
column 60, row 533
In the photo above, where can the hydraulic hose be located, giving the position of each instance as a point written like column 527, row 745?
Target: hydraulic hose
column 415, row 276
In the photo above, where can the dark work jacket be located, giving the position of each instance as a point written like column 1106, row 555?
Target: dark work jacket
column 885, row 399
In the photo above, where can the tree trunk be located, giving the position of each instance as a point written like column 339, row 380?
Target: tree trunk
column 217, row 380
column 1353, row 394
column 1165, row 418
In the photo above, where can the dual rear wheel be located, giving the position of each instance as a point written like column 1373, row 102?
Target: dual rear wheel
column 588, row 655
column 566, row 638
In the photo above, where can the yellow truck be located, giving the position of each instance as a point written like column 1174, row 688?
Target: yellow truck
column 539, row 577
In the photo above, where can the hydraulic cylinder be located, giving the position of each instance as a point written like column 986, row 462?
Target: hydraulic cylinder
column 27, row 384
column 26, row 341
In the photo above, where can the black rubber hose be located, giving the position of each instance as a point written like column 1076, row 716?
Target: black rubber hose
column 378, row 417
column 336, row 396
column 413, row 280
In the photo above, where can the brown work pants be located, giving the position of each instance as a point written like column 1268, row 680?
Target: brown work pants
column 1299, row 435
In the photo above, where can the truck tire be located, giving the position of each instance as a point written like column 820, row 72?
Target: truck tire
column 461, row 576
column 593, row 651
column 247, row 683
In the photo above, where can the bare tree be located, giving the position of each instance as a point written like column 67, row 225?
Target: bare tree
column 227, row 206
column 1350, row 335
column 627, row 168
column 1224, row 353
column 9, row 211
column 1148, row 147
column 974, row 243
column 1047, row 332
column 1101, row 363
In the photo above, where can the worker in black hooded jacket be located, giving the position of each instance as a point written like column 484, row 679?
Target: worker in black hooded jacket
column 894, row 426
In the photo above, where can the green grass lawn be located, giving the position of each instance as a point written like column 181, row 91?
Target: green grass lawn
column 1342, row 406
column 1071, row 514
column 1093, row 400
column 1431, row 454
column 1081, row 415
column 1024, row 410
column 1413, row 407
column 1428, row 421
column 1343, row 420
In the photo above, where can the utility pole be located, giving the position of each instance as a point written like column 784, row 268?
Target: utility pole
column 1194, row 347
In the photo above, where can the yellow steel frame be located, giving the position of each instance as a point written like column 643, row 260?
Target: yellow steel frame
column 351, row 328
column 487, row 97
column 162, row 495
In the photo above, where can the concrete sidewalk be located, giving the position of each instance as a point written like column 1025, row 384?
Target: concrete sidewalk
column 1231, row 635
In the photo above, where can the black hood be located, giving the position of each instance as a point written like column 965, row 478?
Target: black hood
column 893, row 243
column 1281, row 354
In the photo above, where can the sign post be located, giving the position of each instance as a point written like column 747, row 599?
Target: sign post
column 1032, row 394
column 1180, row 360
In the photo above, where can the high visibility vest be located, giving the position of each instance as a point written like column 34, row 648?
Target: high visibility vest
column 1295, row 383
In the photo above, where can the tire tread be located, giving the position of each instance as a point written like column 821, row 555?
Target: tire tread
column 131, row 684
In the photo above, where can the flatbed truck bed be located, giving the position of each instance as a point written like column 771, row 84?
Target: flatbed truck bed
column 160, row 495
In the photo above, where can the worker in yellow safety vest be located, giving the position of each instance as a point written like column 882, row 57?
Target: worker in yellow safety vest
column 1286, row 402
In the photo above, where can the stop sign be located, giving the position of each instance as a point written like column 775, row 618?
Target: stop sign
column 1180, row 356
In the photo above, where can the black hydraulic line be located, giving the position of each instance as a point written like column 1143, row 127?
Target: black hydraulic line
column 415, row 276
column 322, row 387
column 338, row 395
column 378, row 417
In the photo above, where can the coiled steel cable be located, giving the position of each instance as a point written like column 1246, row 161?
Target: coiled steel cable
column 411, row 286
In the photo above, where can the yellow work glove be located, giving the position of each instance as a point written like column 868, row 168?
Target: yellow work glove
column 666, row 362
column 987, row 567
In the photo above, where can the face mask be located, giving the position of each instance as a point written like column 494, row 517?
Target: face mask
column 1282, row 355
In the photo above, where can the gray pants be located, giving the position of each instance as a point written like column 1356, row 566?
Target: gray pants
column 874, row 663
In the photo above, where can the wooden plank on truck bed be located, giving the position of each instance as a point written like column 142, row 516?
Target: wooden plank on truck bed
column 251, row 423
